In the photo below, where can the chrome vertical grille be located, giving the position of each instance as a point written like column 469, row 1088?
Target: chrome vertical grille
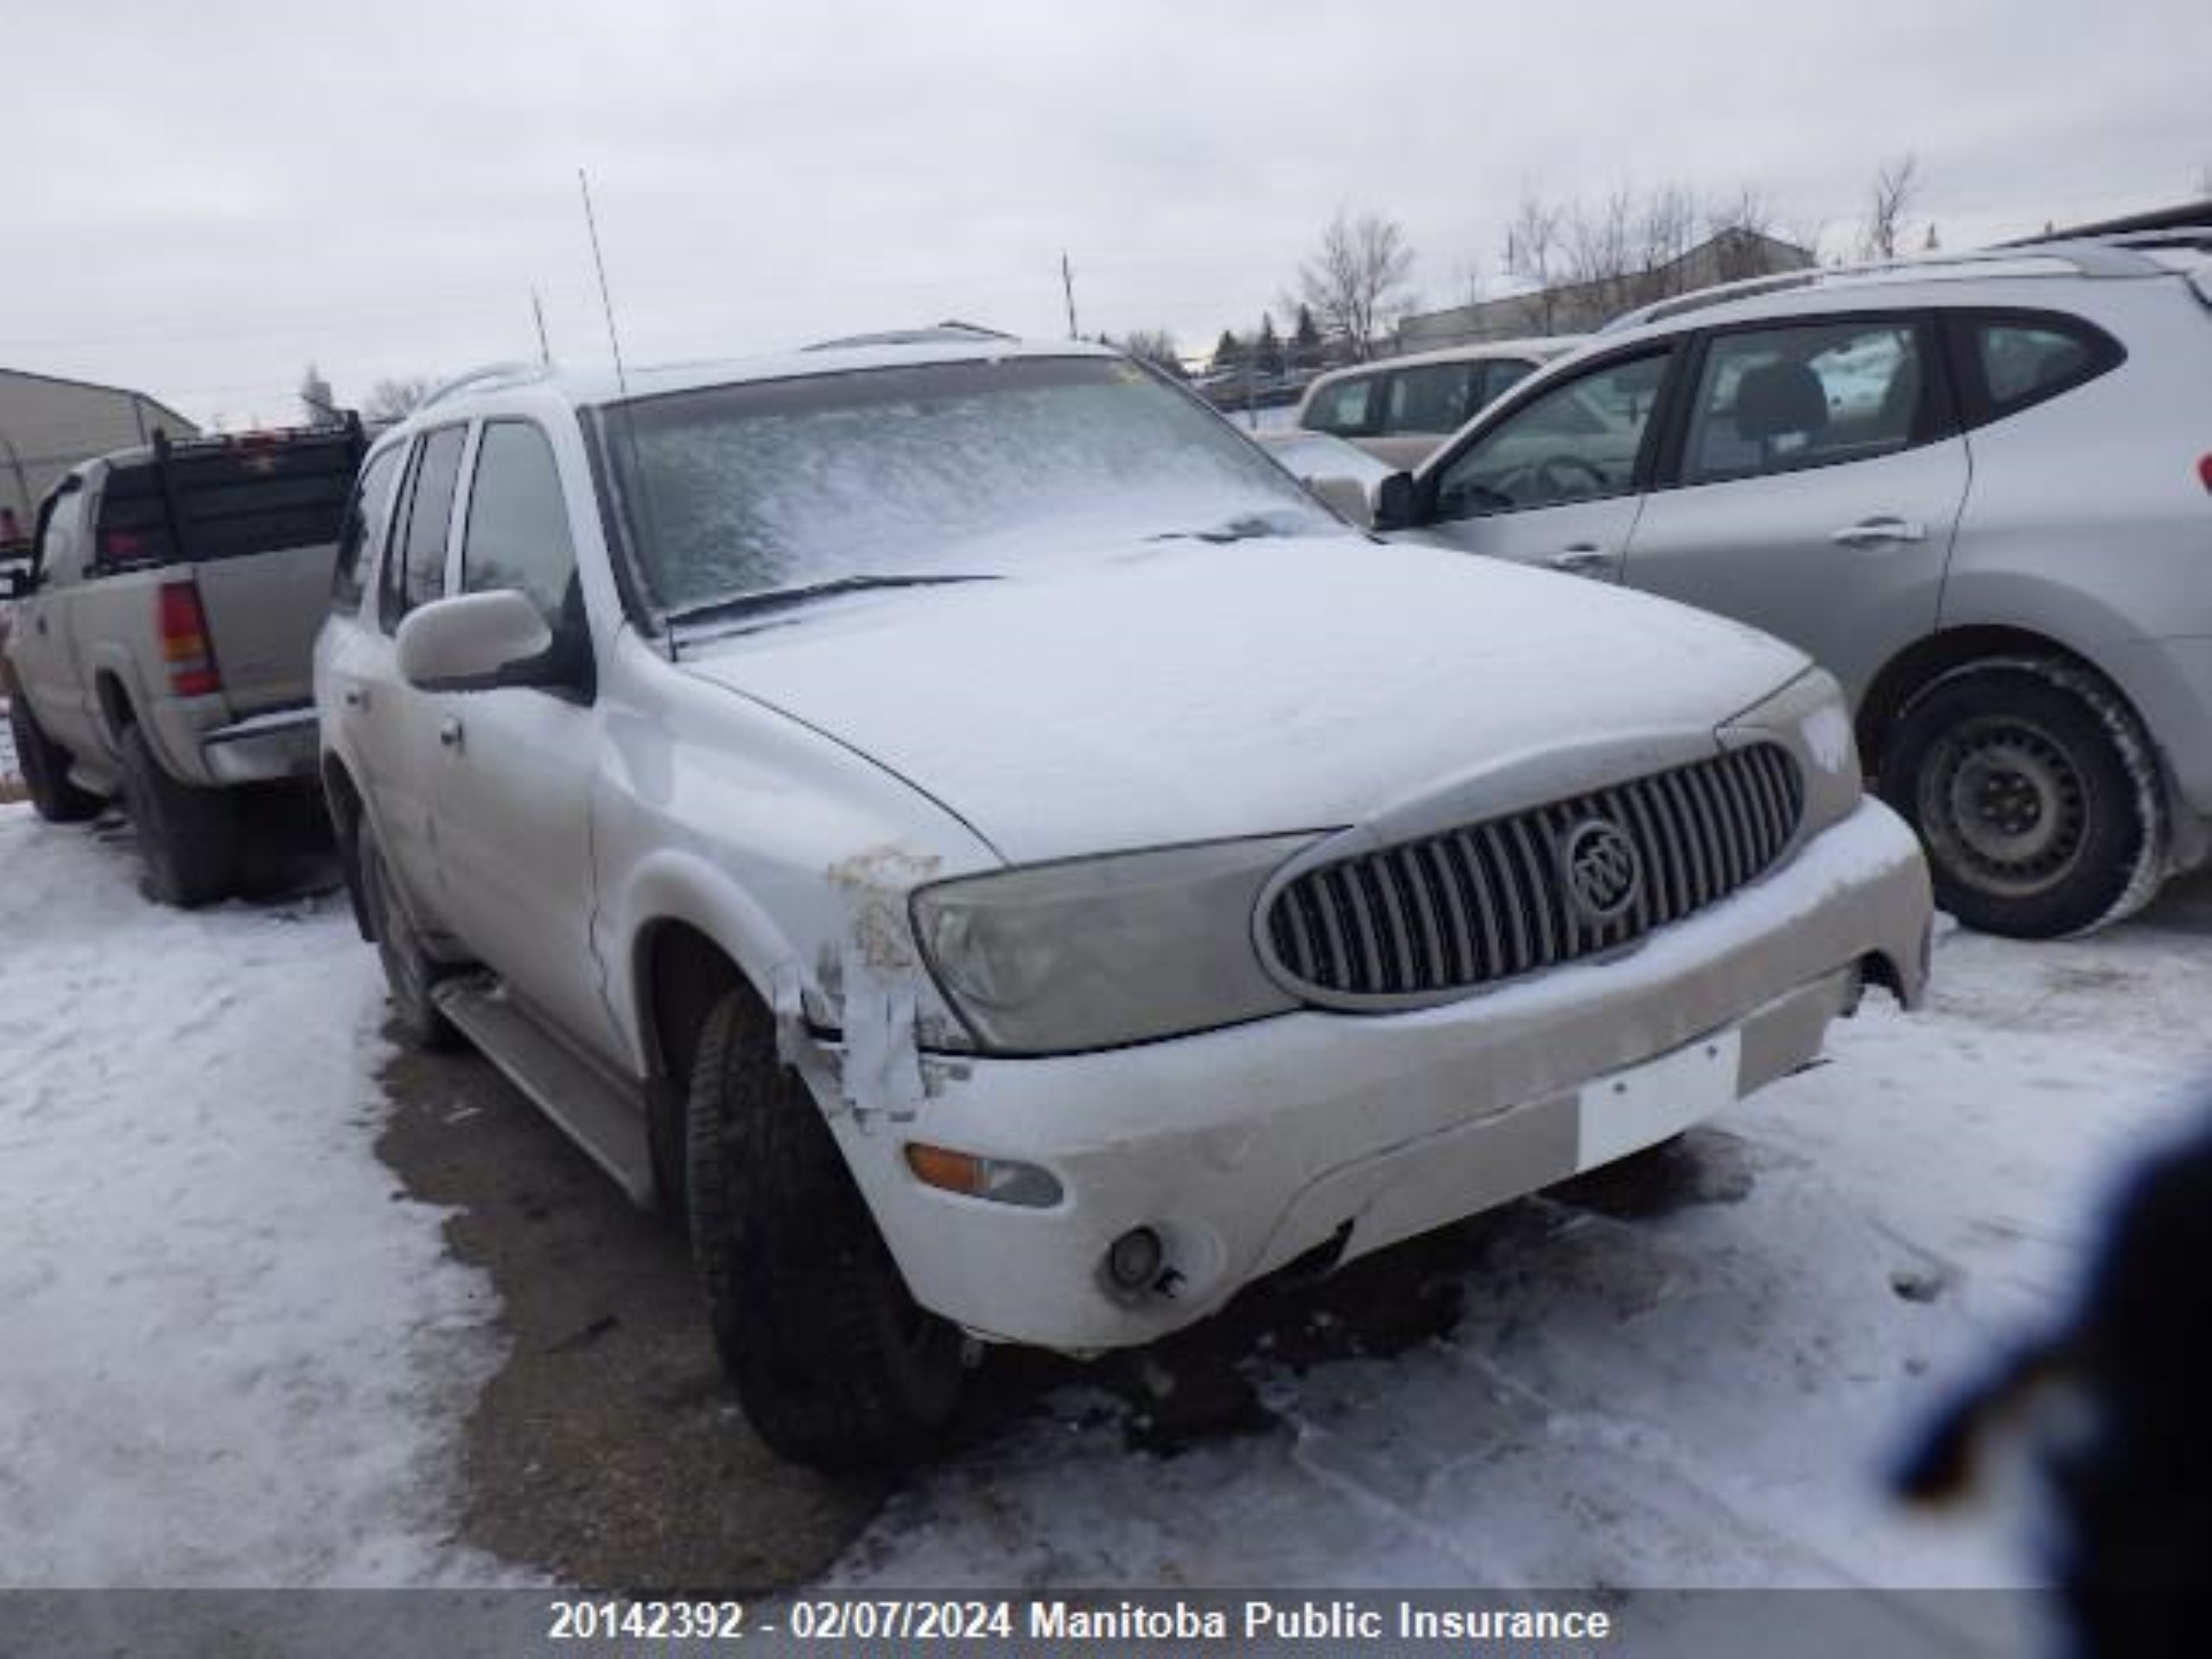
column 1496, row 899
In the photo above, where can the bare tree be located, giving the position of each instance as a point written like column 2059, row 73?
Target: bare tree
column 1533, row 252
column 1587, row 262
column 1356, row 283
column 1156, row 346
column 1739, row 228
column 1897, row 185
column 394, row 398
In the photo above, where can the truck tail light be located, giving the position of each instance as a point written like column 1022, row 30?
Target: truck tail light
column 185, row 645
column 2204, row 471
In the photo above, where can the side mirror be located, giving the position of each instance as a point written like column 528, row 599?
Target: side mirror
column 475, row 643
column 1345, row 496
column 1394, row 503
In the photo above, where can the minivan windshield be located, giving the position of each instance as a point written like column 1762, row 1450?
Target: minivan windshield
column 873, row 477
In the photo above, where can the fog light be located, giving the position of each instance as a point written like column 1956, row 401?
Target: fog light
column 1133, row 1260
column 999, row 1180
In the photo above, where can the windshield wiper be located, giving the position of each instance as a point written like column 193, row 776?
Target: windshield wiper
column 781, row 599
column 1247, row 528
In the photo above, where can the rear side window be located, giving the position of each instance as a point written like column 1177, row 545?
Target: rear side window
column 517, row 534
column 364, row 520
column 1345, row 409
column 1780, row 400
column 415, row 569
column 2009, row 361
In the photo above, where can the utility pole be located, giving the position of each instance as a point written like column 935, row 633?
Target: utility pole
column 1067, row 282
column 537, row 310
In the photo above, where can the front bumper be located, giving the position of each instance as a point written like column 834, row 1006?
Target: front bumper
column 264, row 748
column 1246, row 1148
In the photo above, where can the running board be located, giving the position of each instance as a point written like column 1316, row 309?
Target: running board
column 574, row 1092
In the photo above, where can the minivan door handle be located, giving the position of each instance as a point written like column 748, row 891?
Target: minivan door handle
column 1873, row 532
column 450, row 731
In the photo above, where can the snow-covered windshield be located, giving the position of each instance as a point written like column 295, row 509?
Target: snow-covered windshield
column 969, row 467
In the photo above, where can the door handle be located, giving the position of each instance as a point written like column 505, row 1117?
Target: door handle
column 450, row 731
column 1583, row 559
column 354, row 697
column 41, row 623
column 1873, row 532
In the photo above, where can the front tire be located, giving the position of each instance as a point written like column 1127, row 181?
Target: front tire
column 187, row 837
column 46, row 769
column 409, row 973
column 834, row 1362
column 2036, row 794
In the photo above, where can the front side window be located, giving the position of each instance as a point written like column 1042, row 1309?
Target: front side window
column 1575, row 442
column 1345, row 409
column 365, row 519
column 1436, row 397
column 1778, row 400
column 517, row 535
column 940, row 469
column 415, row 568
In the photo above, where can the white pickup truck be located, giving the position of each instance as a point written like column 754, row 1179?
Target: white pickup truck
column 162, row 642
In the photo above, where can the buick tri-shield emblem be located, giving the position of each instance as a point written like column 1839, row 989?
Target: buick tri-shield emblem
column 1601, row 868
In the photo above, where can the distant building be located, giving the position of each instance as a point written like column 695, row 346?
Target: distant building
column 1577, row 308
column 48, row 425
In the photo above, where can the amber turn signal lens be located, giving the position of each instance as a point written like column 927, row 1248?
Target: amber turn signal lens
column 999, row 1180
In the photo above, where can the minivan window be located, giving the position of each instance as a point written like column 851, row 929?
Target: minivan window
column 415, row 568
column 1502, row 374
column 1777, row 400
column 1344, row 408
column 1435, row 397
column 1577, row 441
column 365, row 518
column 518, row 530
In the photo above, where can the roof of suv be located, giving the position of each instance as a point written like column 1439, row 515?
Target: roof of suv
column 591, row 388
column 2145, row 254
column 1543, row 347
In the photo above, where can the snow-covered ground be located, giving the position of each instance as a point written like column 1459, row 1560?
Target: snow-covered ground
column 237, row 1355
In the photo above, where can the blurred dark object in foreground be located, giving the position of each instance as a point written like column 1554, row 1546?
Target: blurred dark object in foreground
column 2121, row 1397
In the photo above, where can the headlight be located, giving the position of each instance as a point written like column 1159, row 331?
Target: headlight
column 1097, row 952
column 1808, row 717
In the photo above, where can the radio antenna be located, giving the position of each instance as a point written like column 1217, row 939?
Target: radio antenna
column 606, row 298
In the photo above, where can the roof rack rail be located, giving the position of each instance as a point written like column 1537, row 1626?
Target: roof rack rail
column 491, row 375
column 934, row 333
column 2099, row 256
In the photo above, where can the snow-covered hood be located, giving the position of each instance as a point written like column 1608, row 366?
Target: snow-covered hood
column 1184, row 692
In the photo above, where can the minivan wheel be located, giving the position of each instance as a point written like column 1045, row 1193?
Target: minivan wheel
column 409, row 973
column 187, row 837
column 834, row 1362
column 2034, row 792
column 46, row 769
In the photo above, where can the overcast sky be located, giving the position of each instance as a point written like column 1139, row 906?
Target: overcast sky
column 201, row 199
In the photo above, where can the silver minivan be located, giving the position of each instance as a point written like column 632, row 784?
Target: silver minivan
column 1978, row 490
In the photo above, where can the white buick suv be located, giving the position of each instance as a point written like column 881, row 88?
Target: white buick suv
column 958, row 823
